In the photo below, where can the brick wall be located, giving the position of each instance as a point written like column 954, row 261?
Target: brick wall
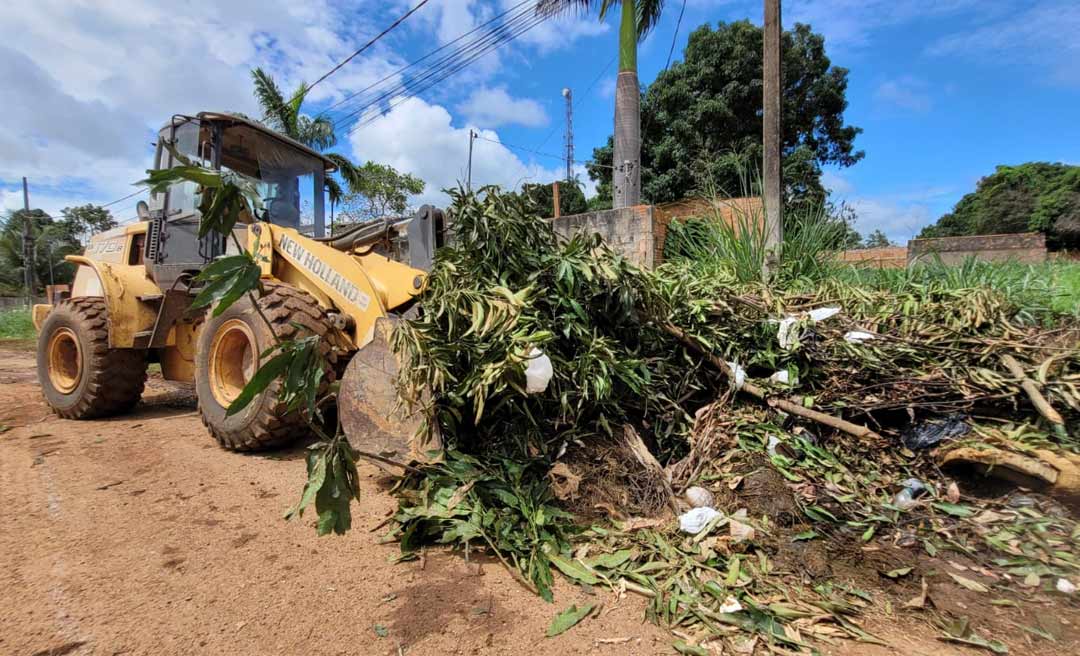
column 733, row 211
column 892, row 257
column 629, row 231
column 1028, row 247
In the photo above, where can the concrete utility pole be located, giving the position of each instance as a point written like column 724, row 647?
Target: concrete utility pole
column 468, row 176
column 569, row 95
column 772, row 182
column 28, row 245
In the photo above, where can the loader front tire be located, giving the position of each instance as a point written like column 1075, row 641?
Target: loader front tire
column 227, row 357
column 81, row 377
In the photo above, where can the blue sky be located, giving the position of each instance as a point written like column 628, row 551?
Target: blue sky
column 944, row 90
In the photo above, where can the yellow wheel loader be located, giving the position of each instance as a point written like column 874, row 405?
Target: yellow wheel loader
column 129, row 303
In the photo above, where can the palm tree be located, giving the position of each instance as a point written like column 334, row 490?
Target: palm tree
column 638, row 18
column 283, row 114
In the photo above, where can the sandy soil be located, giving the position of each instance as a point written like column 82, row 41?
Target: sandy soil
column 138, row 535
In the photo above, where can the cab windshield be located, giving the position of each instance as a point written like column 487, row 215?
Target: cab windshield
column 288, row 179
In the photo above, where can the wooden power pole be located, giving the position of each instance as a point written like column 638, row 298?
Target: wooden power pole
column 772, row 182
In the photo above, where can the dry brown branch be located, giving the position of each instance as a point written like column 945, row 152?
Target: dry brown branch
column 1032, row 390
column 761, row 394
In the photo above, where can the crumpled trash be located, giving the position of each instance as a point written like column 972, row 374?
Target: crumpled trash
column 740, row 374
column 730, row 605
column 932, row 432
column 740, row 531
column 699, row 497
column 782, row 377
column 787, row 337
column 858, row 336
column 771, row 445
column 693, row 521
column 539, row 372
column 913, row 489
column 823, row 313
column 1065, row 586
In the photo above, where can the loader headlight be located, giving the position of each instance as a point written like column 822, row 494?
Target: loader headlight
column 417, row 282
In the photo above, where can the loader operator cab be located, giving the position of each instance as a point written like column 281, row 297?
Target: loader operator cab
column 289, row 177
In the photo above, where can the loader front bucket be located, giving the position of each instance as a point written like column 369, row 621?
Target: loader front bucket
column 368, row 405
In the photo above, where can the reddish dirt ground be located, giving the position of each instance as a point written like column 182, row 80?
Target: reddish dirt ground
column 138, row 535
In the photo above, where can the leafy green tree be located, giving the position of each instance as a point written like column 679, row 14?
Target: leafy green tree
column 877, row 239
column 381, row 190
column 283, row 114
column 702, row 123
column 540, row 198
column 1031, row 197
column 636, row 20
column 53, row 239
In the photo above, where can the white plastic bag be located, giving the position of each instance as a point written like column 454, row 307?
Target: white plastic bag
column 823, row 313
column 782, row 377
column 739, row 373
column 539, row 372
column 692, row 521
column 857, row 336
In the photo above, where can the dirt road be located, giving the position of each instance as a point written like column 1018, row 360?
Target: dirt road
column 138, row 535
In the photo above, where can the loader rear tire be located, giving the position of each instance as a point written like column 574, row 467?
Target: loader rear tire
column 81, row 377
column 226, row 359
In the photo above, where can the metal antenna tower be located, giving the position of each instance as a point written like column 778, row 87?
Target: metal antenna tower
column 569, row 95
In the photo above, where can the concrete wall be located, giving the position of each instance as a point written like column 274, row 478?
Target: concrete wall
column 629, row 231
column 1028, row 247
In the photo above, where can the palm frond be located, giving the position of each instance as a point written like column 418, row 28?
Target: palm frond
column 333, row 189
column 296, row 100
column 317, row 133
column 348, row 171
column 549, row 8
column 648, row 15
column 270, row 98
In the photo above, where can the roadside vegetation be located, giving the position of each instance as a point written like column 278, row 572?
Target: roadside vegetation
column 16, row 324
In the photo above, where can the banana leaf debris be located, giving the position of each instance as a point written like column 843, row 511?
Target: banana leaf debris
column 832, row 492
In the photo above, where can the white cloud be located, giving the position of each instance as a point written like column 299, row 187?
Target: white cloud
column 899, row 220
column 419, row 138
column 850, row 23
column 493, row 107
column 836, row 183
column 900, row 215
column 906, row 92
column 1041, row 37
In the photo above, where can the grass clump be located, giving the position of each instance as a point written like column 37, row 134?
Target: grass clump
column 16, row 324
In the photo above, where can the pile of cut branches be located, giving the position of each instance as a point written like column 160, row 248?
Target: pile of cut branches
column 720, row 379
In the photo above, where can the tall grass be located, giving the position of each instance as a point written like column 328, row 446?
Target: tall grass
column 1046, row 288
column 738, row 243
column 16, row 324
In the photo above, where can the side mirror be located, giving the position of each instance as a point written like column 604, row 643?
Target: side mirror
column 143, row 210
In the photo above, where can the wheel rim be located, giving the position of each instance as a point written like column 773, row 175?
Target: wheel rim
column 232, row 361
column 65, row 360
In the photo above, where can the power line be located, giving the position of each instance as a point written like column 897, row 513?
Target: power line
column 537, row 152
column 118, row 200
column 436, row 76
column 401, row 70
column 674, row 37
column 303, row 91
column 455, row 61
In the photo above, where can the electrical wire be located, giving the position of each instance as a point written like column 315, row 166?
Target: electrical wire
column 452, row 63
column 413, row 63
column 542, row 154
column 348, row 59
column 418, row 86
